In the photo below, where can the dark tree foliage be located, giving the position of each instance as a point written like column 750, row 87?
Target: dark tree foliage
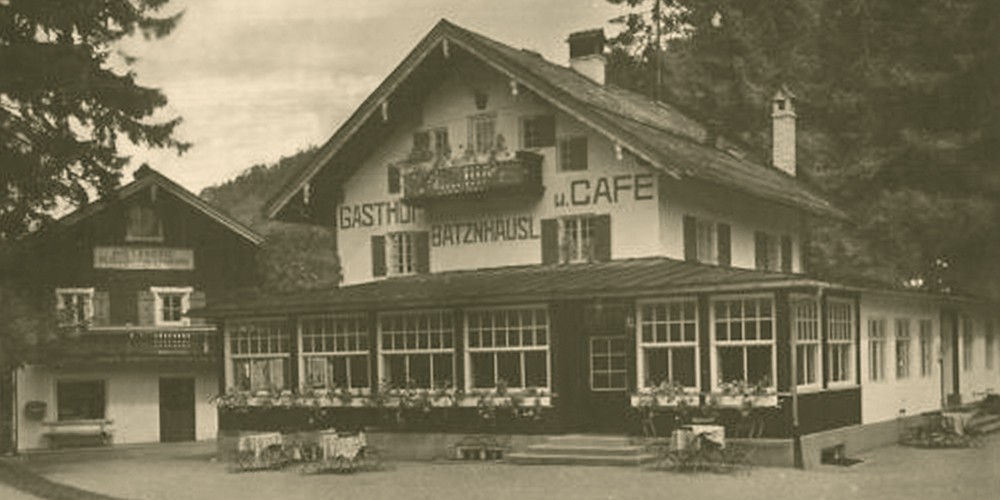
column 899, row 117
column 294, row 256
column 68, row 101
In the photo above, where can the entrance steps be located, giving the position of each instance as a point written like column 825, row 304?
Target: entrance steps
column 583, row 449
column 985, row 423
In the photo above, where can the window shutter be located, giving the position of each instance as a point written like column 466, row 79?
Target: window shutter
column 197, row 302
column 422, row 249
column 392, row 172
column 786, row 253
column 578, row 152
column 546, row 130
column 690, row 238
column 102, row 308
column 147, row 308
column 602, row 238
column 760, row 250
column 378, row 256
column 725, row 247
column 550, row 241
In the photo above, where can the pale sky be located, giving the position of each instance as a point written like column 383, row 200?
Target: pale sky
column 255, row 80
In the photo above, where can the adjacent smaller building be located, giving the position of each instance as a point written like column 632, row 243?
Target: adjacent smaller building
column 123, row 272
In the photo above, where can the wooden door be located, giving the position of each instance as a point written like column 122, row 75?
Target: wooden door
column 607, row 383
column 177, row 421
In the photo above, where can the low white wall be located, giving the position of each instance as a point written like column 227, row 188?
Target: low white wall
column 133, row 400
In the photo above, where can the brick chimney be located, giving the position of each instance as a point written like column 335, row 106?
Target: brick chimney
column 783, row 130
column 586, row 54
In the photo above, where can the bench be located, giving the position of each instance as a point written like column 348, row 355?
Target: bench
column 66, row 433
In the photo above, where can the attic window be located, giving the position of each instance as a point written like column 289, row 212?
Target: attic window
column 781, row 104
column 143, row 224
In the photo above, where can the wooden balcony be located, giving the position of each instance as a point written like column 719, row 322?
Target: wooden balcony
column 135, row 344
column 520, row 175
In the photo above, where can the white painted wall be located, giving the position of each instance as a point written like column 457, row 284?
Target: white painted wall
column 633, row 222
column 132, row 394
column 890, row 398
column 745, row 214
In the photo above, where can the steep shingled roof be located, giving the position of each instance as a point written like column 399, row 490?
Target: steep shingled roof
column 659, row 133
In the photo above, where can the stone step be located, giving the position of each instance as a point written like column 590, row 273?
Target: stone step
column 593, row 440
column 528, row 458
column 552, row 448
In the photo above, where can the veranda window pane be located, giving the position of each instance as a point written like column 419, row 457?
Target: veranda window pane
column 656, row 367
column 689, row 332
column 338, row 367
column 396, row 370
column 601, row 362
column 541, row 336
column 617, row 380
column 601, row 380
column 443, row 370
column 759, row 365
column 241, row 372
column 721, row 331
column 420, row 370
column 683, row 366
column 730, row 364
column 482, row 369
column 535, row 369
column 359, row 371
column 509, row 368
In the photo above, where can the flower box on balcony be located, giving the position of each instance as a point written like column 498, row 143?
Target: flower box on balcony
column 746, row 400
column 520, row 174
column 657, row 400
column 506, row 401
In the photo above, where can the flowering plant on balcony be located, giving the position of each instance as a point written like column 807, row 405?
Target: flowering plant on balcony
column 745, row 395
column 667, row 393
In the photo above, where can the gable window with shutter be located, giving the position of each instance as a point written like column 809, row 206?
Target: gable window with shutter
column 707, row 241
column 75, row 305
column 430, row 143
column 573, row 154
column 143, row 224
column 538, row 131
column 400, row 254
column 576, row 238
column 772, row 252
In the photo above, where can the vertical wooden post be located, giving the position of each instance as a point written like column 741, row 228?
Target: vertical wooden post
column 294, row 382
column 783, row 336
column 459, row 364
column 374, row 373
column 704, row 343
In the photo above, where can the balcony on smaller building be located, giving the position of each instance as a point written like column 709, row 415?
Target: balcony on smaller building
column 138, row 344
column 520, row 175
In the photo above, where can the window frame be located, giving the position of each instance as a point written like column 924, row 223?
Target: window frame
column 642, row 378
column 813, row 342
column 134, row 238
column 926, row 347
column 524, row 125
column 430, row 352
column 159, row 294
column 475, row 135
column 407, row 264
column 582, row 248
column 305, row 355
column 73, row 380
column 564, row 149
column 714, row 343
column 232, row 357
column 610, row 355
column 76, row 292
column 877, row 344
column 903, row 348
column 496, row 350
column 839, row 344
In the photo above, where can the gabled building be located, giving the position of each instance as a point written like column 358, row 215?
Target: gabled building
column 122, row 272
column 507, row 225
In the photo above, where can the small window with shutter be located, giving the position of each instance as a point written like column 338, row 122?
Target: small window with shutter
column 400, row 254
column 707, row 241
column 171, row 305
column 538, row 132
column 576, row 238
column 573, row 154
column 75, row 306
column 772, row 252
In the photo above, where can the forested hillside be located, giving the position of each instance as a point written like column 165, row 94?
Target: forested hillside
column 294, row 256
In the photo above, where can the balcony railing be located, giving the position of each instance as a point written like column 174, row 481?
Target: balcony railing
column 520, row 175
column 137, row 344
